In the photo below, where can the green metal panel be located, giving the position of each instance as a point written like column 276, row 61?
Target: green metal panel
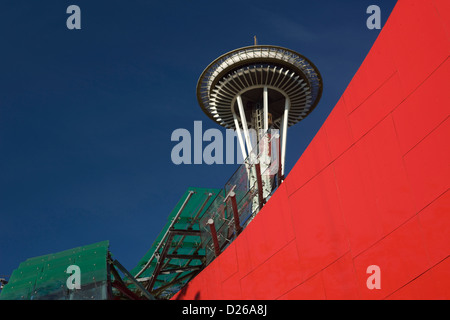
column 45, row 277
column 182, row 245
column 186, row 219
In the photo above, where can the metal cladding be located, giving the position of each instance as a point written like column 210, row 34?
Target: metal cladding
column 368, row 201
column 286, row 73
column 45, row 277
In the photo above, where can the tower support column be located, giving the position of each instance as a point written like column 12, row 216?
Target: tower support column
column 284, row 127
column 244, row 124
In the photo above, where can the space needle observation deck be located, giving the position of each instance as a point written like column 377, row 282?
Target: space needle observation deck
column 259, row 87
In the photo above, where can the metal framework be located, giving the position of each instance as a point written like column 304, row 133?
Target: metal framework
column 177, row 254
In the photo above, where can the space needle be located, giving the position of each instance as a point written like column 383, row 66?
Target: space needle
column 259, row 87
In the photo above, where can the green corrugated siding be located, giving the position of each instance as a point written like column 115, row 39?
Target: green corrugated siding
column 45, row 276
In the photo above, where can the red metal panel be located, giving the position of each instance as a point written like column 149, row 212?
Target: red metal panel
column 338, row 131
column 434, row 284
column 357, row 203
column 316, row 157
column 312, row 289
column 228, row 262
column 411, row 291
column 257, row 242
column 304, row 170
column 424, row 109
column 276, row 222
column 439, row 281
column 285, row 264
column 274, row 277
column 255, row 284
column 435, row 223
column 243, row 253
column 418, row 41
column 192, row 291
column 443, row 12
column 376, row 107
column 385, row 176
column 231, row 288
column 339, row 279
column 401, row 256
column 204, row 286
column 211, row 282
column 427, row 165
column 376, row 68
column 318, row 222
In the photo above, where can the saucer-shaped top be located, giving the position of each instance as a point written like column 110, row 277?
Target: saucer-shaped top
column 246, row 71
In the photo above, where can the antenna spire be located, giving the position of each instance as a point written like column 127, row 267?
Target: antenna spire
column 255, row 40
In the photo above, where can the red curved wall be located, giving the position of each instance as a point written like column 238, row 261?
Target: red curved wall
column 371, row 188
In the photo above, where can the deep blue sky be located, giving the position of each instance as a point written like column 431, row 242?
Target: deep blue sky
column 86, row 115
